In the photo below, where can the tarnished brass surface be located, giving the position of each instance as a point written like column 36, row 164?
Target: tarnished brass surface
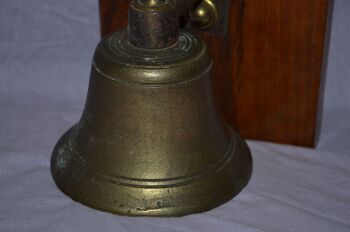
column 149, row 141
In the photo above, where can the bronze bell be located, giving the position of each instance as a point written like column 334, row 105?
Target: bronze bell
column 149, row 141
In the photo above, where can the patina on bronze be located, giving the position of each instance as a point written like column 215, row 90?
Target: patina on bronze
column 149, row 141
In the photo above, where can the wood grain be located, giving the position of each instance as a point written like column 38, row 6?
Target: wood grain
column 268, row 67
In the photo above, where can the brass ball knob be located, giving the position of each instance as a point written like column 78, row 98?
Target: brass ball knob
column 205, row 15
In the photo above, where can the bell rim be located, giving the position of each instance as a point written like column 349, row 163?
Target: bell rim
column 242, row 161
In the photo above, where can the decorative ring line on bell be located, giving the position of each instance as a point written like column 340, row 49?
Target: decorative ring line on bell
column 157, row 183
column 153, row 85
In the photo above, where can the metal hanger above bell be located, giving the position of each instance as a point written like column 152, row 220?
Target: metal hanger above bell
column 149, row 141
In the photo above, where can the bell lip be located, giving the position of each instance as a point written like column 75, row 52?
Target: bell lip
column 157, row 214
column 242, row 159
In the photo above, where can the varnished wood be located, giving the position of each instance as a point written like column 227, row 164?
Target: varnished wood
column 268, row 67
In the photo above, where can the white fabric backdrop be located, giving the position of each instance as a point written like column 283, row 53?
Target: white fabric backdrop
column 335, row 130
column 46, row 48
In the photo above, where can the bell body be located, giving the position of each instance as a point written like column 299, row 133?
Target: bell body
column 149, row 141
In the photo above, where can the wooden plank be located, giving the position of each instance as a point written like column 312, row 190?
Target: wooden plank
column 267, row 68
